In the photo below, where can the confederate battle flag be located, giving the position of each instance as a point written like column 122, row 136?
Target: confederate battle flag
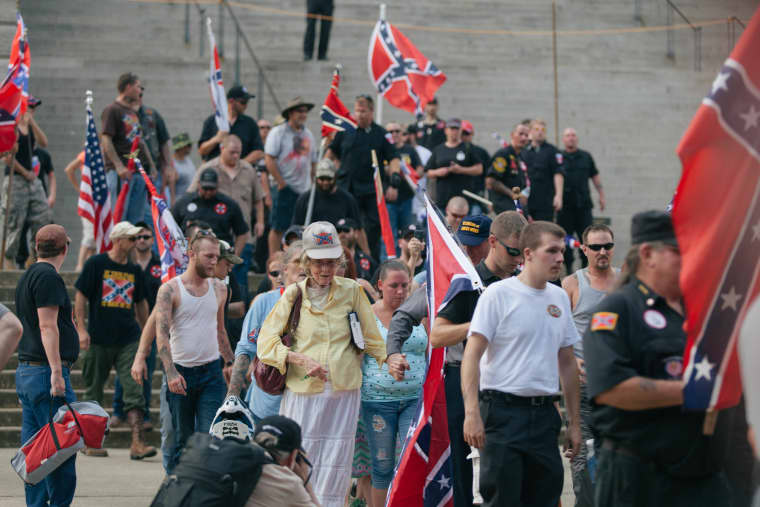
column 720, row 245
column 399, row 71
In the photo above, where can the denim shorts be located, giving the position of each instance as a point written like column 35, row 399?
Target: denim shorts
column 282, row 209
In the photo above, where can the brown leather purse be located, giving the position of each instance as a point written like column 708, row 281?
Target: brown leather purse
column 268, row 378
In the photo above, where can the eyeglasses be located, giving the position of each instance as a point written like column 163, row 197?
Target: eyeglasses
column 242, row 101
column 343, row 229
column 144, row 237
column 275, row 273
column 265, row 127
column 326, row 263
column 130, row 238
column 325, row 178
column 606, row 246
column 514, row 252
column 394, row 131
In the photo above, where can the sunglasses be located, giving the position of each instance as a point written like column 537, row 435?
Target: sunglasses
column 325, row 178
column 395, row 131
column 514, row 252
column 606, row 246
column 130, row 238
column 144, row 236
column 243, row 101
column 343, row 229
column 275, row 273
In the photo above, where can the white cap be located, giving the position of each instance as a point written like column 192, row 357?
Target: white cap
column 321, row 241
column 124, row 230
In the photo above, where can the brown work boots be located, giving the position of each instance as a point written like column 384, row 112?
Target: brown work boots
column 138, row 449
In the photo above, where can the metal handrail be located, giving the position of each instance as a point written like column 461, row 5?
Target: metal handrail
column 239, row 34
column 731, row 27
column 697, row 35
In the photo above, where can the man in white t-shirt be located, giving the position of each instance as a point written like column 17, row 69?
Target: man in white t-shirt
column 519, row 349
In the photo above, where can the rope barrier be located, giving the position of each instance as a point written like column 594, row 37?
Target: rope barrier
column 468, row 31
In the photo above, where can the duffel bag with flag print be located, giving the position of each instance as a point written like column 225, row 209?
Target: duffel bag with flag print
column 74, row 426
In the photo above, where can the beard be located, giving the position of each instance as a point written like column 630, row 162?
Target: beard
column 201, row 272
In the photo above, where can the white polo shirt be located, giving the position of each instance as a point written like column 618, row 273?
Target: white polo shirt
column 525, row 328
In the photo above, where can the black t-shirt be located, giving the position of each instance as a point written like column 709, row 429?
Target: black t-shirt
column 152, row 275
column 412, row 160
column 42, row 165
column 460, row 309
column 508, row 168
column 453, row 184
column 112, row 291
column 353, row 149
column 479, row 182
column 328, row 207
column 543, row 163
column 233, row 326
column 155, row 133
column 635, row 333
column 365, row 265
column 244, row 127
column 431, row 135
column 42, row 286
column 221, row 213
column 26, row 144
column 579, row 167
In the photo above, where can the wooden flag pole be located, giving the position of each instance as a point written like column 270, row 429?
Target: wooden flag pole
column 711, row 418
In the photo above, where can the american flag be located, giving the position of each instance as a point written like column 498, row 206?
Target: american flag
column 335, row 115
column 423, row 476
column 216, row 85
column 94, row 201
column 720, row 153
column 399, row 71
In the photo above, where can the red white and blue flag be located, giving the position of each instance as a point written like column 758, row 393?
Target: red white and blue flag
column 335, row 115
column 423, row 476
column 399, row 71
column 410, row 175
column 720, row 153
column 14, row 90
column 382, row 211
column 94, row 202
column 121, row 200
column 172, row 246
column 216, row 85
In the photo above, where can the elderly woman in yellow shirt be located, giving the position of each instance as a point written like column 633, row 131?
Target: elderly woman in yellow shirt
column 324, row 375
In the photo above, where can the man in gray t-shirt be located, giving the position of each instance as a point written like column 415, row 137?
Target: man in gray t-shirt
column 291, row 155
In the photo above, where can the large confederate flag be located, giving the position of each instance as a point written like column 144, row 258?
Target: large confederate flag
column 720, row 244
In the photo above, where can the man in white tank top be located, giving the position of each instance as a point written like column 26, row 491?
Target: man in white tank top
column 586, row 288
column 191, row 336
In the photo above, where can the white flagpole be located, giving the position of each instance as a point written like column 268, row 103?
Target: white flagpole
column 379, row 102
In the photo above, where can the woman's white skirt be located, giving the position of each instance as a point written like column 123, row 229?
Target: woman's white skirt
column 328, row 427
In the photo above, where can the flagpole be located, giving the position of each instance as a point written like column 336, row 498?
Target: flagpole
column 379, row 102
column 554, row 55
column 310, row 207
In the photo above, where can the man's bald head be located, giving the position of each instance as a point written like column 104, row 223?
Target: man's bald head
column 456, row 209
column 570, row 139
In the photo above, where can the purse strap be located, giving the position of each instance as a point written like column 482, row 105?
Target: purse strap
column 293, row 319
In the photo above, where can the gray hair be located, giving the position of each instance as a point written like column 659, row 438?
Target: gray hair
column 294, row 250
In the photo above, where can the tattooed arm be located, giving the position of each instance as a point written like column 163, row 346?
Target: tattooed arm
column 164, row 312
column 238, row 377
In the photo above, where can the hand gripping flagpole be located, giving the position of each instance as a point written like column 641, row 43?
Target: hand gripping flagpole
column 379, row 102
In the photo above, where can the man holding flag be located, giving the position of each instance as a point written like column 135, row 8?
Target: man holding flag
column 633, row 350
column 352, row 150
column 242, row 125
column 519, row 349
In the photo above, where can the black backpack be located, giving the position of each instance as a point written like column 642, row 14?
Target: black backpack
column 213, row 473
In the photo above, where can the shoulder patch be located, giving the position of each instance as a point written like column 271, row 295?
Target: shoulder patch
column 558, row 156
column 499, row 164
column 604, row 321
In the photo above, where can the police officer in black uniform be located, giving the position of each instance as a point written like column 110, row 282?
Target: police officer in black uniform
column 431, row 129
column 652, row 452
column 545, row 173
column 215, row 208
column 507, row 171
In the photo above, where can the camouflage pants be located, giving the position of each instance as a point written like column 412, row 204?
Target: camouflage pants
column 28, row 205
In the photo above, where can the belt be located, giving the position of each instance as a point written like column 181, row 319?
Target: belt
column 612, row 445
column 454, row 364
column 513, row 399
column 67, row 364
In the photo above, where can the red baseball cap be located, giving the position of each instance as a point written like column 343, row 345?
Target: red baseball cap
column 467, row 127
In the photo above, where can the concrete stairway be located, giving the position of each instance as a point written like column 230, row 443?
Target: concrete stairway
column 10, row 408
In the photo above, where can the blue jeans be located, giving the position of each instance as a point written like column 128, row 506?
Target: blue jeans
column 205, row 393
column 167, row 428
column 33, row 389
column 112, row 182
column 240, row 271
column 136, row 207
column 383, row 422
column 282, row 209
column 118, row 394
column 400, row 216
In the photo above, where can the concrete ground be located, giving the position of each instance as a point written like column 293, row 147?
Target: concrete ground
column 117, row 481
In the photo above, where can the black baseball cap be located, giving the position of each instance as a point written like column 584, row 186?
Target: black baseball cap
column 653, row 225
column 286, row 433
column 293, row 230
column 345, row 224
column 474, row 230
column 239, row 92
column 208, row 179
column 408, row 232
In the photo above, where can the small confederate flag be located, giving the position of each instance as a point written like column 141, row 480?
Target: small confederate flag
column 14, row 90
column 335, row 115
column 216, row 85
column 94, row 201
column 720, row 153
column 399, row 71
column 424, row 472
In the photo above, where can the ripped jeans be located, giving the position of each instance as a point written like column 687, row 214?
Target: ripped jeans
column 384, row 421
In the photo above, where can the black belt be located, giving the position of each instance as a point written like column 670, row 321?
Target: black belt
column 454, row 364
column 513, row 399
column 67, row 364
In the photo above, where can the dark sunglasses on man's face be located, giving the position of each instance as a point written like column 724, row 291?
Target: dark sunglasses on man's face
column 514, row 252
column 597, row 248
column 145, row 236
column 395, row 131
column 243, row 101
column 274, row 274
column 325, row 178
